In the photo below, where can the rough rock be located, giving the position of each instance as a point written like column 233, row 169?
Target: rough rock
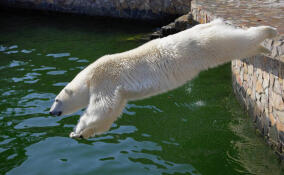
column 180, row 24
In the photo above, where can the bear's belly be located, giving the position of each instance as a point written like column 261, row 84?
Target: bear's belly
column 156, row 84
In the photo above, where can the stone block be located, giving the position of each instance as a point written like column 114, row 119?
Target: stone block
column 155, row 35
column 280, row 127
column 264, row 100
column 277, row 101
column 271, row 80
column 250, row 69
column 253, row 94
column 280, row 115
column 258, row 87
column 257, row 96
column 181, row 23
column 168, row 29
column 249, row 91
column 238, row 63
column 272, row 119
column 245, row 85
column 260, row 107
column 239, row 80
column 245, row 68
column 265, row 82
column 277, row 86
column 245, row 77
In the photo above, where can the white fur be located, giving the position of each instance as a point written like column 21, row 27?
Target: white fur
column 158, row 66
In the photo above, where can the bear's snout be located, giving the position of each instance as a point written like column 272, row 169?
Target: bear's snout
column 56, row 108
column 57, row 113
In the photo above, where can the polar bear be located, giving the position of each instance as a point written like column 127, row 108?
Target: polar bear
column 106, row 85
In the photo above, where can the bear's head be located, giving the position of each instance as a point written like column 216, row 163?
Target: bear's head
column 71, row 99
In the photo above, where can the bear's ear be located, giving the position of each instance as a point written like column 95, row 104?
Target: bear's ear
column 69, row 92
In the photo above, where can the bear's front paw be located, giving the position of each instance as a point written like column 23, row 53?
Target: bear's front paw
column 75, row 135
column 88, row 132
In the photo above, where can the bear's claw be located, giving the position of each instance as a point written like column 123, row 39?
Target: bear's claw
column 74, row 135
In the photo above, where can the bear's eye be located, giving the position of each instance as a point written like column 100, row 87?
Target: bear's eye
column 56, row 100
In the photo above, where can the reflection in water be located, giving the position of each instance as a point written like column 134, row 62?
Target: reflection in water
column 186, row 131
column 253, row 155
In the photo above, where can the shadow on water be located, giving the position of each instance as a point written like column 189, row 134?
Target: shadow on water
column 196, row 129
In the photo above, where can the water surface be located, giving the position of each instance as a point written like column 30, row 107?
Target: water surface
column 196, row 129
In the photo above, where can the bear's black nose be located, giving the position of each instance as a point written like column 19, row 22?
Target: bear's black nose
column 58, row 113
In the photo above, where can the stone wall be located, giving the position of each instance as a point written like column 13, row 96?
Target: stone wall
column 134, row 9
column 259, row 85
column 257, row 82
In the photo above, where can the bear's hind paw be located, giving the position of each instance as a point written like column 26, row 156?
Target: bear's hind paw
column 268, row 32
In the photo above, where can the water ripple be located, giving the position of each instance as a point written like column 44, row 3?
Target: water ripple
column 83, row 61
column 16, row 63
column 38, row 122
column 58, row 55
column 61, row 84
column 28, row 76
column 12, row 47
column 134, row 106
column 58, row 72
column 42, row 68
column 2, row 48
column 11, row 52
column 73, row 58
column 27, row 51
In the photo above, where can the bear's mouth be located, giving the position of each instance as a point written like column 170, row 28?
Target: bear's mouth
column 57, row 113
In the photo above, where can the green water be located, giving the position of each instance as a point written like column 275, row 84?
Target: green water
column 196, row 129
